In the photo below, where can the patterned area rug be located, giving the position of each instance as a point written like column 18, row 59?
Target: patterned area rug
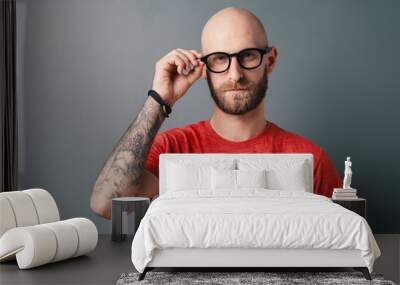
column 230, row 278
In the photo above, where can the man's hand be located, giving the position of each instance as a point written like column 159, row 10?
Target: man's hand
column 176, row 72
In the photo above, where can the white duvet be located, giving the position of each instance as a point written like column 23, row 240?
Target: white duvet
column 251, row 218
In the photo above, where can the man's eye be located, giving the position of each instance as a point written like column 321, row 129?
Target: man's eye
column 247, row 55
column 220, row 57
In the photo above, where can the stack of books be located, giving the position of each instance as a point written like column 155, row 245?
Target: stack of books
column 344, row 194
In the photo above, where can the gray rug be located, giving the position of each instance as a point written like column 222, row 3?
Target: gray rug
column 229, row 278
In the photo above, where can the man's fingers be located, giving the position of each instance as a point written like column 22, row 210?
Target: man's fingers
column 177, row 61
column 190, row 55
column 185, row 60
column 196, row 74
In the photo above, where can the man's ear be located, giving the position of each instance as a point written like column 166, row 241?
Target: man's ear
column 271, row 60
column 204, row 72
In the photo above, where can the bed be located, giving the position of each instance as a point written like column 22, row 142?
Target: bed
column 245, row 211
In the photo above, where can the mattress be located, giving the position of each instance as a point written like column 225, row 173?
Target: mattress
column 254, row 218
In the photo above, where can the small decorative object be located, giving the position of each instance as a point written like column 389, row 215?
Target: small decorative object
column 347, row 174
column 347, row 192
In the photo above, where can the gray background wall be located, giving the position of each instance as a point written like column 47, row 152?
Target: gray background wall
column 84, row 68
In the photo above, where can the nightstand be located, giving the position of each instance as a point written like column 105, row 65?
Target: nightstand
column 358, row 205
column 120, row 209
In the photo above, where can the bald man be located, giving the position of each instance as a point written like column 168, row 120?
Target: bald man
column 236, row 60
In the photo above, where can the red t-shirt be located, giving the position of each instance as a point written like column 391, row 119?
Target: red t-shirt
column 200, row 137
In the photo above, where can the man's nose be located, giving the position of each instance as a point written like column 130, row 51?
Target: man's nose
column 235, row 72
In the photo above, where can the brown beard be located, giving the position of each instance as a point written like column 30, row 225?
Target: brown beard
column 245, row 101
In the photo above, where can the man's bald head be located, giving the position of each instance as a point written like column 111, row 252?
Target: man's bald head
column 237, row 91
column 233, row 29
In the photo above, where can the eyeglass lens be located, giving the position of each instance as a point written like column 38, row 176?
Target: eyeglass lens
column 219, row 62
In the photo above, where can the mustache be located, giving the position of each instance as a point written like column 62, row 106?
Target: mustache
column 230, row 86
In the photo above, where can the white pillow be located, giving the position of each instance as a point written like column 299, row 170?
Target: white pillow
column 186, row 175
column 290, row 179
column 251, row 178
column 235, row 179
column 181, row 177
column 223, row 179
column 281, row 174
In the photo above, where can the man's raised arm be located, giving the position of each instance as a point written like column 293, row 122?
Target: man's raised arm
column 122, row 174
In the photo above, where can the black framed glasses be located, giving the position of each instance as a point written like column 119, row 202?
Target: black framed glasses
column 248, row 58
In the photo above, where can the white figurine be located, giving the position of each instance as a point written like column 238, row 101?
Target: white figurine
column 347, row 174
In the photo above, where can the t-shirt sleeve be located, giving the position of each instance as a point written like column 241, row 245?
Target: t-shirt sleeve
column 326, row 176
column 159, row 145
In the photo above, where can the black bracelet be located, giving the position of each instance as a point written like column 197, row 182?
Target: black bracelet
column 164, row 106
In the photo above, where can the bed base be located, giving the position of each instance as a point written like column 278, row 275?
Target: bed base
column 248, row 259
column 142, row 275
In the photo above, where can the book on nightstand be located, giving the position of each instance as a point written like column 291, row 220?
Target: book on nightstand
column 346, row 194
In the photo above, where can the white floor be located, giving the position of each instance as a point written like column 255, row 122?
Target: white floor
column 389, row 262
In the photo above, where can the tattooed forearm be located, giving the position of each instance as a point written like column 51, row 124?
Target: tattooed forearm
column 122, row 172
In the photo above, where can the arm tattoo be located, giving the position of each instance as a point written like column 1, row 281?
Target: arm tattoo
column 122, row 172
